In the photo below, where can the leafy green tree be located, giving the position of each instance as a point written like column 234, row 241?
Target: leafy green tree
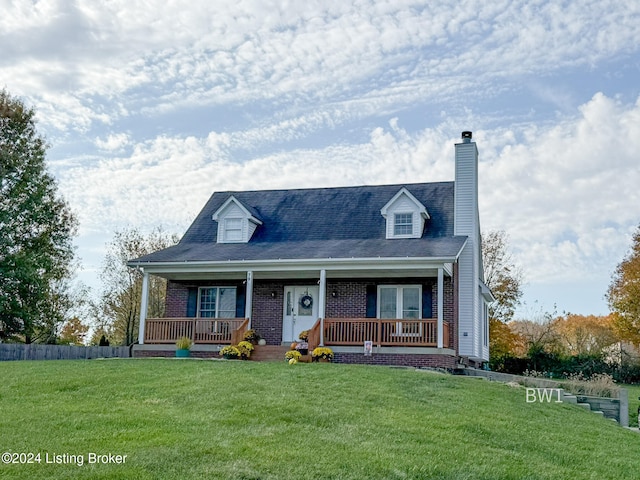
column 623, row 295
column 36, row 231
column 122, row 285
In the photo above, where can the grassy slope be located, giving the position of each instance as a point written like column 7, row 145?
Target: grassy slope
column 245, row 420
column 634, row 403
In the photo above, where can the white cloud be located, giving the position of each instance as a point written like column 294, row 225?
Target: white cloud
column 114, row 142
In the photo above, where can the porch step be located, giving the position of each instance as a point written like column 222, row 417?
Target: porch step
column 269, row 353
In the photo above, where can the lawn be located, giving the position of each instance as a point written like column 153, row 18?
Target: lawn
column 247, row 420
column 634, row 403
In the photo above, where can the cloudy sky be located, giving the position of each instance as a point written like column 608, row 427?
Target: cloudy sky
column 150, row 106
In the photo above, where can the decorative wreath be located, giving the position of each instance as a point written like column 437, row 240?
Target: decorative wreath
column 306, row 301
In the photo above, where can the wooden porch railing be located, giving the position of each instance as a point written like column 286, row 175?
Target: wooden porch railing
column 383, row 332
column 199, row 330
column 238, row 334
column 314, row 336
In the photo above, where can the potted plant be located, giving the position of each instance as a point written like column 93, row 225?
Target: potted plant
column 230, row 352
column 303, row 346
column 322, row 354
column 183, row 347
column 304, row 335
column 292, row 355
column 245, row 348
column 252, row 336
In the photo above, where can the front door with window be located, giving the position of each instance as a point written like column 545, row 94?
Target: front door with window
column 300, row 311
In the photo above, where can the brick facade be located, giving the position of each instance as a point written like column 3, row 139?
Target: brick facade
column 345, row 299
column 176, row 300
column 400, row 359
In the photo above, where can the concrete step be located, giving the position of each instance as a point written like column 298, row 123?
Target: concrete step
column 586, row 406
column 598, row 412
column 569, row 399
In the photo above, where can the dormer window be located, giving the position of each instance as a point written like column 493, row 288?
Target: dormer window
column 403, row 224
column 236, row 222
column 405, row 215
column 232, row 230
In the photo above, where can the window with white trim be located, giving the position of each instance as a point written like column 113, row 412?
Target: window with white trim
column 403, row 224
column 232, row 229
column 401, row 302
column 217, row 302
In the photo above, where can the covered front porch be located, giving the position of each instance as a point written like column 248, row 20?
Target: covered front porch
column 405, row 304
column 327, row 332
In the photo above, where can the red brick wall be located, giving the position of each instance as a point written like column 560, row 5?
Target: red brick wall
column 350, row 300
column 426, row 360
column 268, row 311
column 176, row 300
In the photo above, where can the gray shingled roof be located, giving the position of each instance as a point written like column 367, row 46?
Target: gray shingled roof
column 342, row 222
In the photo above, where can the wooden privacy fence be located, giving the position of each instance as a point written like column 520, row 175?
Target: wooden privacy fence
column 19, row 351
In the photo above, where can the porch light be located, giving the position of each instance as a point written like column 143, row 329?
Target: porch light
column 334, row 294
column 274, row 294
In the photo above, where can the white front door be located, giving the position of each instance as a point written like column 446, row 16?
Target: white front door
column 300, row 311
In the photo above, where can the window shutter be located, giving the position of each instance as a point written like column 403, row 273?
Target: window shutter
column 240, row 301
column 192, row 302
column 372, row 299
column 427, row 297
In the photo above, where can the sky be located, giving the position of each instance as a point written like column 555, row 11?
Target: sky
column 151, row 106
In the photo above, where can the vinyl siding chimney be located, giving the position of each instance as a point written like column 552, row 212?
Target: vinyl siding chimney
column 467, row 223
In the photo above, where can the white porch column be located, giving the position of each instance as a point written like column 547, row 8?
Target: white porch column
column 440, row 329
column 322, row 303
column 248, row 301
column 144, row 303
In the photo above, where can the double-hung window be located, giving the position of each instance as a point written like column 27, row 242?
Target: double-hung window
column 232, row 230
column 403, row 224
column 401, row 302
column 217, row 302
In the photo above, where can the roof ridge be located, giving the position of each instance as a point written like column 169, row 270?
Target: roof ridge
column 346, row 187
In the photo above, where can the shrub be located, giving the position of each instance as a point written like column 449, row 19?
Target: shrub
column 230, row 351
column 252, row 336
column 292, row 354
column 599, row 385
column 245, row 348
column 322, row 352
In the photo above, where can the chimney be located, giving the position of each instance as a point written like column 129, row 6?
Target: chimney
column 467, row 224
column 466, row 187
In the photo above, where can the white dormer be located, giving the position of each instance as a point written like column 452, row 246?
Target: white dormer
column 236, row 223
column 405, row 215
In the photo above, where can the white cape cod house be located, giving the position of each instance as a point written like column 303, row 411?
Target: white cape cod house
column 397, row 265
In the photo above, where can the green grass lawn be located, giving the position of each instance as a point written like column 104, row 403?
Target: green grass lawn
column 245, row 420
column 634, row 403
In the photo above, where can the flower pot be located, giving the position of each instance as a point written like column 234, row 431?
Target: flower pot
column 303, row 351
column 182, row 353
column 230, row 357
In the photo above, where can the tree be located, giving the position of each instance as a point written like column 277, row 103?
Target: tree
column 584, row 335
column 623, row 295
column 73, row 332
column 122, row 285
column 36, row 231
column 504, row 280
column 501, row 275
